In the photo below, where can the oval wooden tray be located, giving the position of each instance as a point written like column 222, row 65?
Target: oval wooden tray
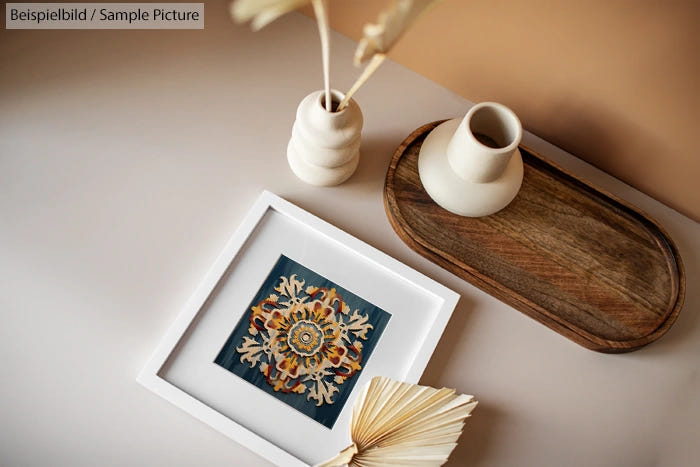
column 579, row 260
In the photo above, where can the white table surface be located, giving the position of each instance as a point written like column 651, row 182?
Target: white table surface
column 127, row 158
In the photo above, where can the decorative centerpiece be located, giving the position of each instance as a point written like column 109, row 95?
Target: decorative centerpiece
column 472, row 167
column 324, row 148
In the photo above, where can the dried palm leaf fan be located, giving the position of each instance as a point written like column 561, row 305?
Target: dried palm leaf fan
column 396, row 423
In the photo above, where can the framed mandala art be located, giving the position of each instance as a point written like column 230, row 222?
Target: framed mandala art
column 304, row 340
column 291, row 321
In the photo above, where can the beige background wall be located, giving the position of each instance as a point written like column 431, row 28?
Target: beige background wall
column 615, row 82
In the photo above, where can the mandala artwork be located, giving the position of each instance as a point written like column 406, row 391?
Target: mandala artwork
column 304, row 340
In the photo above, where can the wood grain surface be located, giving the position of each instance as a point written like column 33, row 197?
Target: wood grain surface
column 577, row 259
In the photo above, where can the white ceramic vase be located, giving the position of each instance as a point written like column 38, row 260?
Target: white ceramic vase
column 324, row 148
column 472, row 166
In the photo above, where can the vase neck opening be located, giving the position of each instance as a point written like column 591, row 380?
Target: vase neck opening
column 494, row 127
column 484, row 142
column 336, row 98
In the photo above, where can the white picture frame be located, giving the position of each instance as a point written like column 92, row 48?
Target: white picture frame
column 182, row 371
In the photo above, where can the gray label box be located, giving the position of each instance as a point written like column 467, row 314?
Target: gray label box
column 104, row 16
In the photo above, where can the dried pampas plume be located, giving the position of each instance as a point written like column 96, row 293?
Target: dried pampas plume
column 396, row 423
column 381, row 36
column 262, row 12
column 378, row 38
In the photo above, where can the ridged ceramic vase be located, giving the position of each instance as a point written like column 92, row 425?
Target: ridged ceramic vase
column 472, row 166
column 324, row 148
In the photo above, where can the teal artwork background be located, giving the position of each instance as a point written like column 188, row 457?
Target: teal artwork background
column 230, row 358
